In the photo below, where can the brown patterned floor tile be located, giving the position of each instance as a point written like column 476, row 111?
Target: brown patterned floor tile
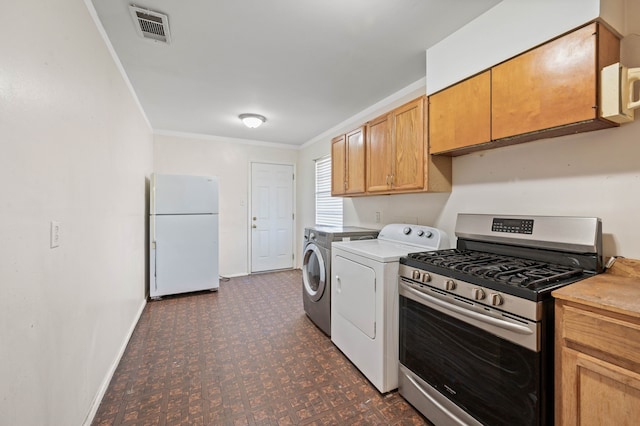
column 246, row 355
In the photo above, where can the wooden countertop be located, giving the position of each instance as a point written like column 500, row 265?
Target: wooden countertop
column 616, row 290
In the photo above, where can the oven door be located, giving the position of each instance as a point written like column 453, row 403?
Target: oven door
column 451, row 360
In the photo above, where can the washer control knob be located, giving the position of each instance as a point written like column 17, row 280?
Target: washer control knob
column 477, row 293
column 425, row 277
column 312, row 236
column 496, row 299
column 406, row 230
column 415, row 275
column 420, row 233
column 450, row 285
column 428, row 234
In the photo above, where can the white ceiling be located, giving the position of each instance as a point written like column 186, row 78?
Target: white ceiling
column 307, row 65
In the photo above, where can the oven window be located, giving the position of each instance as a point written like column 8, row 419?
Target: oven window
column 494, row 380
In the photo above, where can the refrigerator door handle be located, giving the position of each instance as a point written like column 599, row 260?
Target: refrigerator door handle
column 154, row 247
column 155, row 265
column 152, row 204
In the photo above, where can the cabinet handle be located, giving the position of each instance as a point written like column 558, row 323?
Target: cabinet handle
column 391, row 179
column 387, row 180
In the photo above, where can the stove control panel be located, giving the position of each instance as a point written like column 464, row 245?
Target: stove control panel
column 472, row 293
column 513, row 226
column 421, row 276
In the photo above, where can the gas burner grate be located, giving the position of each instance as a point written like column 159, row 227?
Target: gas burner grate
column 514, row 271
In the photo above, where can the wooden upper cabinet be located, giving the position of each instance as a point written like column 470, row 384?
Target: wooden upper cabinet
column 461, row 115
column 347, row 163
column 395, row 149
column 338, row 165
column 553, row 85
column 551, row 90
column 355, row 160
column 409, row 146
column 379, row 150
column 389, row 155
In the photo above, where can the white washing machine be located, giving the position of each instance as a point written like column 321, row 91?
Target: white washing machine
column 364, row 293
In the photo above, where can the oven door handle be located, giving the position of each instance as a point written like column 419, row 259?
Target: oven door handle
column 516, row 328
column 410, row 375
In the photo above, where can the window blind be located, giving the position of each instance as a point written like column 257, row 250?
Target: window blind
column 328, row 208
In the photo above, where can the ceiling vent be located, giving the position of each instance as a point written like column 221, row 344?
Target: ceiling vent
column 150, row 24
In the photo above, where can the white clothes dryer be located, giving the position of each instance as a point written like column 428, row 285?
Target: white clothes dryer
column 364, row 293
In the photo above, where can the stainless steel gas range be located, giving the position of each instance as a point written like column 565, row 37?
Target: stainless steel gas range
column 476, row 322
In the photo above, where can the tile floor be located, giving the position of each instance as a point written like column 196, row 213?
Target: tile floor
column 246, row 355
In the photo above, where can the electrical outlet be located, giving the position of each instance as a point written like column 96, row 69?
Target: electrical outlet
column 55, row 234
column 378, row 217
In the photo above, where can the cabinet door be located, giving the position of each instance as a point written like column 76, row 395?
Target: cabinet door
column 460, row 116
column 338, row 165
column 355, row 162
column 596, row 392
column 549, row 86
column 408, row 141
column 379, row 154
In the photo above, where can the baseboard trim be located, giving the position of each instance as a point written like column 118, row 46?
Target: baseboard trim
column 95, row 404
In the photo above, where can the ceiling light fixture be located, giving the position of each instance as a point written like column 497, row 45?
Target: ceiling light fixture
column 252, row 120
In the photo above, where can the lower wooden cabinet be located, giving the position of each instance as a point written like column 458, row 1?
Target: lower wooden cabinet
column 598, row 392
column 598, row 349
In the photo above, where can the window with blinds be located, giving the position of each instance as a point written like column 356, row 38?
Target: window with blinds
column 328, row 208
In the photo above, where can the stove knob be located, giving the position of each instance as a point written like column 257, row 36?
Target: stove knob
column 425, row 277
column 477, row 293
column 420, row 233
column 496, row 299
column 415, row 275
column 406, row 230
column 450, row 285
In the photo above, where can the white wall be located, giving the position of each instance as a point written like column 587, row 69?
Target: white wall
column 589, row 174
column 75, row 149
column 320, row 146
column 504, row 31
column 230, row 160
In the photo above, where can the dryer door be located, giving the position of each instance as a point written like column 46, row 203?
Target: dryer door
column 354, row 294
column 313, row 272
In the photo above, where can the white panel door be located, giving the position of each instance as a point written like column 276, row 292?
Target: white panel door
column 271, row 217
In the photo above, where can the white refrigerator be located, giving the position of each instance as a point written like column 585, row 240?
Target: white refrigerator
column 183, row 234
